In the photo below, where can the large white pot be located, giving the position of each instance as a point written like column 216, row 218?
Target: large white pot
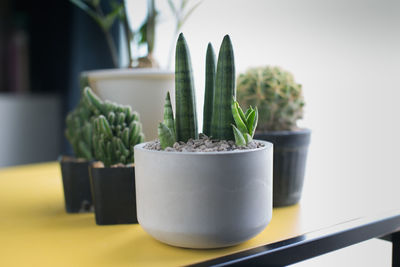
column 143, row 89
column 204, row 200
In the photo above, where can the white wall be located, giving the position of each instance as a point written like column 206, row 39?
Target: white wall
column 346, row 54
column 30, row 129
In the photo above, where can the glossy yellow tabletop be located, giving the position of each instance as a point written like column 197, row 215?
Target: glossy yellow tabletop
column 35, row 230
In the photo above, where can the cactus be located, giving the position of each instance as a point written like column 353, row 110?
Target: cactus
column 116, row 130
column 209, row 90
column 278, row 97
column 79, row 131
column 246, row 123
column 166, row 130
column 185, row 99
column 222, row 119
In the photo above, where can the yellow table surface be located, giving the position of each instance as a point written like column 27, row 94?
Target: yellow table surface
column 35, row 230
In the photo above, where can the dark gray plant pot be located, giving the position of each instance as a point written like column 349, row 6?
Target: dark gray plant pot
column 76, row 184
column 290, row 155
column 114, row 195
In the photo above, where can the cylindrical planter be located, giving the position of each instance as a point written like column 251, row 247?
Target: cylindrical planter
column 204, row 199
column 113, row 191
column 143, row 89
column 290, row 155
column 76, row 184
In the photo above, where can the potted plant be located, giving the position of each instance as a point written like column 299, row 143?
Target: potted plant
column 75, row 170
column 280, row 102
column 141, row 83
column 200, row 192
column 116, row 129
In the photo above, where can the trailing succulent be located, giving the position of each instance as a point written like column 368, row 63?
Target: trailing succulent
column 278, row 97
column 221, row 111
column 109, row 131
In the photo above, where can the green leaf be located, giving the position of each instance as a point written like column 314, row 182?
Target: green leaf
column 187, row 15
column 250, row 121
column 238, row 120
column 239, row 138
column 248, row 111
column 244, row 119
column 165, row 136
column 172, row 7
column 83, row 6
column 255, row 122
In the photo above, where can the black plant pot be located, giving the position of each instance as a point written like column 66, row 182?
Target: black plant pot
column 114, row 195
column 290, row 155
column 76, row 184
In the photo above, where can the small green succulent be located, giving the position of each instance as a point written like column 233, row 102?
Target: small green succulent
column 276, row 94
column 116, row 130
column 246, row 123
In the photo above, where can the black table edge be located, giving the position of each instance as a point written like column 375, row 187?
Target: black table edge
column 318, row 242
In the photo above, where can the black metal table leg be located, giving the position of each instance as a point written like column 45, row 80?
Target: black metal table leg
column 396, row 249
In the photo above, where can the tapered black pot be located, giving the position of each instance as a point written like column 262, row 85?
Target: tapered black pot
column 114, row 196
column 290, row 156
column 76, row 184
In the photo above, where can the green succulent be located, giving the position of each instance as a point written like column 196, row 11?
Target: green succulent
column 219, row 112
column 276, row 94
column 79, row 131
column 246, row 123
column 116, row 130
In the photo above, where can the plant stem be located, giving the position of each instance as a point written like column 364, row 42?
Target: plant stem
column 128, row 36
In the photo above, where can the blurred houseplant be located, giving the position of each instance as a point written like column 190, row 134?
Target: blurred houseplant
column 280, row 103
column 116, row 129
column 141, row 83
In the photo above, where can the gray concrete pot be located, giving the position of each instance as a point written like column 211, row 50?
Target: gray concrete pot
column 204, row 200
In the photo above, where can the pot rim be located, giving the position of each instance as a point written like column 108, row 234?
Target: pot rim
column 149, row 73
column 267, row 145
column 284, row 132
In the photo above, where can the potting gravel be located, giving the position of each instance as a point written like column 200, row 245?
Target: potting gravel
column 203, row 144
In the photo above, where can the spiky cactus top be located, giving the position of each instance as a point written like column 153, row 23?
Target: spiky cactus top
column 278, row 97
column 221, row 110
column 115, row 131
column 103, row 131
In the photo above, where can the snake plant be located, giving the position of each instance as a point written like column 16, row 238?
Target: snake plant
column 223, row 118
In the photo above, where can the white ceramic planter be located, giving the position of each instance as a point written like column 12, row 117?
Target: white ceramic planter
column 204, row 200
column 143, row 89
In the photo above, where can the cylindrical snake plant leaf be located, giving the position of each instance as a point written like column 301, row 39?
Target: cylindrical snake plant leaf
column 185, row 99
column 224, row 91
column 169, row 115
column 165, row 136
column 209, row 89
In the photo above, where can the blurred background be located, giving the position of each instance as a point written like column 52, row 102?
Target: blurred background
column 346, row 55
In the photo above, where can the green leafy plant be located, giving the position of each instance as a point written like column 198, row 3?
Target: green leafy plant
column 144, row 35
column 219, row 111
column 246, row 123
column 276, row 94
column 116, row 130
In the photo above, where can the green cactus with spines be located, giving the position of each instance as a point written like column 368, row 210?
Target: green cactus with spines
column 115, row 131
column 276, row 94
column 221, row 119
column 245, row 123
column 209, row 90
column 185, row 98
column 79, row 130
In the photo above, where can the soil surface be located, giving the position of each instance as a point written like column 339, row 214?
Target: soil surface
column 203, row 144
